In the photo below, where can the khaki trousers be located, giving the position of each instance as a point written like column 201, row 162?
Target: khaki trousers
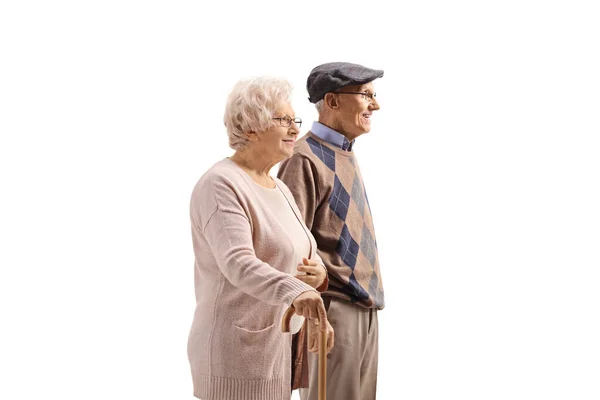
column 352, row 363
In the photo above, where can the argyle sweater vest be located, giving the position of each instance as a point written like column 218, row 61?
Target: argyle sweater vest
column 328, row 188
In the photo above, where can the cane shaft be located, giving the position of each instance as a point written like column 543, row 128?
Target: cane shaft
column 322, row 386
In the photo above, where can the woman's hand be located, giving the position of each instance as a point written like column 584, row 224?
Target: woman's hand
column 313, row 337
column 310, row 305
column 315, row 273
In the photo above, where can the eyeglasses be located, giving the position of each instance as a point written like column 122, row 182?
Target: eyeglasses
column 366, row 96
column 287, row 121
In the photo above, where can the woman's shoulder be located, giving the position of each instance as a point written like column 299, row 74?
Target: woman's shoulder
column 223, row 186
column 222, row 174
column 221, row 179
column 219, row 188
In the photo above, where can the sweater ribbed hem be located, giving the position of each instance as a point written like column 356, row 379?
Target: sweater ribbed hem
column 292, row 288
column 218, row 388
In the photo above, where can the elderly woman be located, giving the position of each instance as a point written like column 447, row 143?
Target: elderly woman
column 249, row 238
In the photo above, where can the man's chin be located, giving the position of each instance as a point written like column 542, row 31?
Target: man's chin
column 365, row 127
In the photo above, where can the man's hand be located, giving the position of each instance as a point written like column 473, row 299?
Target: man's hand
column 315, row 273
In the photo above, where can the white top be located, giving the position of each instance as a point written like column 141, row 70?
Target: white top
column 297, row 233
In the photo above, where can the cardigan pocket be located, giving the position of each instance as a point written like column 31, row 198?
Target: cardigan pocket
column 258, row 354
column 241, row 328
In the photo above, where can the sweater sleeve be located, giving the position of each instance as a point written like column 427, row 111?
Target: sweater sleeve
column 299, row 175
column 229, row 234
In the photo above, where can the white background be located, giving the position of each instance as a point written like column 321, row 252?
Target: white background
column 482, row 169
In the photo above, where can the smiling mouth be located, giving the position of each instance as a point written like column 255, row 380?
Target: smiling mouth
column 367, row 116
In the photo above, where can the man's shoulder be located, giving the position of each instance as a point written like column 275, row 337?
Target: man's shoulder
column 305, row 161
column 302, row 153
column 303, row 145
column 316, row 151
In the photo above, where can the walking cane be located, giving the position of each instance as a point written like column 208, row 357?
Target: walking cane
column 322, row 385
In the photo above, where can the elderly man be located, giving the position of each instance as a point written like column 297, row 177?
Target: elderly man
column 324, row 177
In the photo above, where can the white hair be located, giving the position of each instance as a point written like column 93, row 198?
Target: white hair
column 251, row 105
column 319, row 105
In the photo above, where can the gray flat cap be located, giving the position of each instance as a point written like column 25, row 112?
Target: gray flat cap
column 332, row 76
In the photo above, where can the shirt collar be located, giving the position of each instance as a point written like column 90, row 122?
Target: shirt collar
column 331, row 136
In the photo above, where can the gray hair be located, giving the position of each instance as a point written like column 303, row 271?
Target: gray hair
column 319, row 105
column 251, row 105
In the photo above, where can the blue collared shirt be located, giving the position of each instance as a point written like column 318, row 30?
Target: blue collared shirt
column 331, row 136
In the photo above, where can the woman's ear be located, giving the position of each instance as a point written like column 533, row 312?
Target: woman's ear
column 251, row 136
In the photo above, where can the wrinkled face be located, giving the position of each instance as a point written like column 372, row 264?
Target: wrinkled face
column 355, row 110
column 277, row 143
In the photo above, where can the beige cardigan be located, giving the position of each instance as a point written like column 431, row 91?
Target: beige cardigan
column 243, row 261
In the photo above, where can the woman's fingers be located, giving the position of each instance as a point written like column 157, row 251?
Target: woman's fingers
column 298, row 310
column 311, row 342
column 322, row 315
column 310, row 305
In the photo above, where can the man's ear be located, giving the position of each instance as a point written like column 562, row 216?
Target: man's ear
column 331, row 100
